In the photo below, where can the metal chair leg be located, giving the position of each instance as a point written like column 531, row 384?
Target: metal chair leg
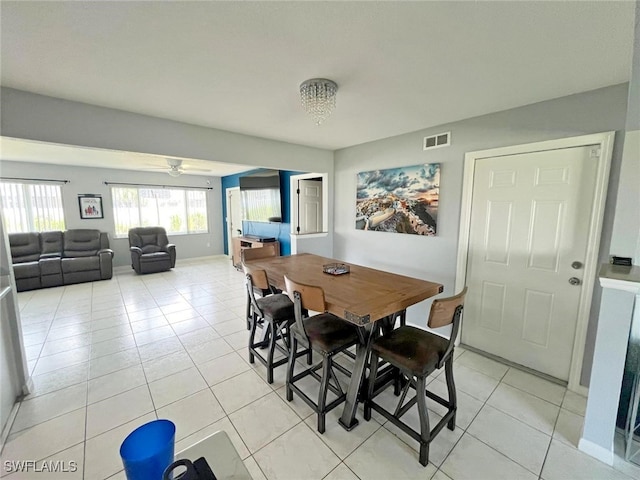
column 451, row 387
column 248, row 314
column 322, row 395
column 425, row 433
column 371, row 386
column 397, row 382
column 266, row 332
column 291, row 365
column 286, row 336
column 252, row 337
column 272, row 347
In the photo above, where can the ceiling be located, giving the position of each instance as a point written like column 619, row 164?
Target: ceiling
column 20, row 150
column 237, row 66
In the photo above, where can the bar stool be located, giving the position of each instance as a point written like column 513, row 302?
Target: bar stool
column 388, row 373
column 247, row 255
column 324, row 333
column 417, row 353
column 275, row 312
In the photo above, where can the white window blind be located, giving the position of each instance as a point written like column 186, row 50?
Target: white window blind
column 180, row 211
column 30, row 207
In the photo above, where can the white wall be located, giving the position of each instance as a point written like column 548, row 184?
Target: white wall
column 434, row 258
column 37, row 117
column 91, row 180
column 48, row 119
column 9, row 369
column 625, row 239
column 607, row 404
column 316, row 243
column 14, row 374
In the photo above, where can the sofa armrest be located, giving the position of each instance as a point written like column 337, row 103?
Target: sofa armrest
column 170, row 248
column 136, row 252
column 106, row 263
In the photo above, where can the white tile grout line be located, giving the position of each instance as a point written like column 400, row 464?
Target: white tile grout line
column 86, row 418
column 274, row 390
column 30, row 374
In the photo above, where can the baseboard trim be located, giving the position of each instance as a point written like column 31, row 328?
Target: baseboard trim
column 520, row 367
column 580, row 390
column 596, row 451
column 127, row 268
column 27, row 388
column 7, row 427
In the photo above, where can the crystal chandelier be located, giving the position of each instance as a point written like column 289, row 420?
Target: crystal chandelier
column 318, row 97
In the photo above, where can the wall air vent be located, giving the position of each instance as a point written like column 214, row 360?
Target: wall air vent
column 437, row 141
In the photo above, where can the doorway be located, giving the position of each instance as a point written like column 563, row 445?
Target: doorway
column 234, row 217
column 308, row 204
column 529, row 238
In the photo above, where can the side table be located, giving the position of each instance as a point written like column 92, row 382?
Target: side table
column 220, row 454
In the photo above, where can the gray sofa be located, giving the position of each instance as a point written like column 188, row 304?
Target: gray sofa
column 150, row 250
column 50, row 259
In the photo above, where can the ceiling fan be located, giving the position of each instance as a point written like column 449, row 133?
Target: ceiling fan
column 176, row 167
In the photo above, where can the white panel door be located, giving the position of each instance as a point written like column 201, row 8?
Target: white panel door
column 529, row 225
column 309, row 206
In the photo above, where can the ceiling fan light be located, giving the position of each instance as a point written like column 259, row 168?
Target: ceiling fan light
column 174, row 172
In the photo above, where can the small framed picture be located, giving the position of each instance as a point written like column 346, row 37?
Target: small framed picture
column 90, row 206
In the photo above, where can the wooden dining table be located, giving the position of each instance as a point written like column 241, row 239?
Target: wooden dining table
column 363, row 296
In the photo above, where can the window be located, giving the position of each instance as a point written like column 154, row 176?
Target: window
column 177, row 210
column 30, row 207
column 260, row 205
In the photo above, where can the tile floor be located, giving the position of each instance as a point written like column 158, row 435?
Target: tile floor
column 109, row 356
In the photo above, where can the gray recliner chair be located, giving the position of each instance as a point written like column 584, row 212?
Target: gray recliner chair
column 150, row 250
column 86, row 256
column 25, row 254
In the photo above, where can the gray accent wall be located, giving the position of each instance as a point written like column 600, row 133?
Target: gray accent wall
column 434, row 258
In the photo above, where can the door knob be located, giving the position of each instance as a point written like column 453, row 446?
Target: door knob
column 576, row 265
column 574, row 281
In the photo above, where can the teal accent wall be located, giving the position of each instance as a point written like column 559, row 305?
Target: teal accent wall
column 281, row 231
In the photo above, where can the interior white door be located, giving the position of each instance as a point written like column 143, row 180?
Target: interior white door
column 234, row 217
column 529, row 225
column 309, row 206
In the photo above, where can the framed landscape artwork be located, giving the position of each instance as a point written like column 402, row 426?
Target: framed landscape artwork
column 399, row 200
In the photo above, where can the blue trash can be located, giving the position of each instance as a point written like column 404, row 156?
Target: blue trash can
column 148, row 450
